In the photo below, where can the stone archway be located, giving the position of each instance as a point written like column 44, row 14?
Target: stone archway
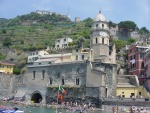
column 36, row 97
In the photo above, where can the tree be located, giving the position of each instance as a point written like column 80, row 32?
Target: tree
column 111, row 24
column 127, row 25
column 119, row 43
column 79, row 42
column 17, row 71
column 131, row 40
column 88, row 21
column 7, row 41
column 143, row 30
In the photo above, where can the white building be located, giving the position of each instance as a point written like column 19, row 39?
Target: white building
column 62, row 42
column 35, row 55
column 134, row 34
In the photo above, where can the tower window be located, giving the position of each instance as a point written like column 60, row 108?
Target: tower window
column 82, row 57
column 63, row 82
column 96, row 40
column 77, row 81
column 96, row 25
column 33, row 77
column 102, row 40
column 102, row 26
column 50, row 81
column 43, row 74
column 76, row 57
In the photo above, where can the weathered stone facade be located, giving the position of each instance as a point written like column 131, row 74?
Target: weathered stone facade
column 54, row 75
column 94, row 79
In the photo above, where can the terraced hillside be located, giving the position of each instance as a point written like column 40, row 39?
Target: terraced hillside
column 34, row 31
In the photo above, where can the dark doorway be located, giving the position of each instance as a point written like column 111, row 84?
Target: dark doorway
column 36, row 98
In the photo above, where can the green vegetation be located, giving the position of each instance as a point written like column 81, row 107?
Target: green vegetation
column 127, row 25
column 111, row 24
column 17, row 71
column 121, row 43
column 34, row 31
column 2, row 56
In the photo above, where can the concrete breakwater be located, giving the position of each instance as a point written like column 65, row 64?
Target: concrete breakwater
column 127, row 101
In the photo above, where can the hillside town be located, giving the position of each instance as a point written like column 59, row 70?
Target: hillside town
column 87, row 74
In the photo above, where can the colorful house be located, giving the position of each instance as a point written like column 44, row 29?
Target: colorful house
column 128, row 87
column 136, row 61
column 6, row 67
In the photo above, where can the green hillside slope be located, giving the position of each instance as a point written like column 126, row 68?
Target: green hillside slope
column 34, row 31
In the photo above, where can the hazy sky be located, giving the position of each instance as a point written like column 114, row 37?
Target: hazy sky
column 114, row 10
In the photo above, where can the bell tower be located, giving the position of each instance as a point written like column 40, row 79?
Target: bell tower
column 100, row 38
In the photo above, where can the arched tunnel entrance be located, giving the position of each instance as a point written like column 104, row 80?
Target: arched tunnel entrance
column 36, row 97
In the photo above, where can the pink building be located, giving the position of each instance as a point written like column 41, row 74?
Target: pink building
column 147, row 68
column 136, row 61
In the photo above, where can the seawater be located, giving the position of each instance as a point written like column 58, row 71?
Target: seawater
column 30, row 109
column 51, row 110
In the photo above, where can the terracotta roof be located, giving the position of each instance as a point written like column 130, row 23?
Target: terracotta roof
column 7, row 62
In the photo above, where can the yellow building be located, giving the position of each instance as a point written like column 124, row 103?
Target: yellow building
column 128, row 86
column 6, row 67
column 82, row 54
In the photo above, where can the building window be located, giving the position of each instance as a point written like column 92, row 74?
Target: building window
column 134, row 65
column 76, row 50
column 76, row 57
column 57, row 45
column 77, row 81
column 33, row 76
column 9, row 67
column 142, row 65
column 58, row 75
column 43, row 74
column 1, row 66
column 50, row 81
column 63, row 82
column 130, row 50
column 102, row 40
column 130, row 57
column 134, row 56
column 65, row 45
column 102, row 26
column 82, row 57
column 141, row 55
column 65, row 40
column 96, row 40
column 96, row 25
column 142, row 73
column 140, row 93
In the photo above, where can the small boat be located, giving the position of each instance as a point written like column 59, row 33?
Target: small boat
column 6, row 109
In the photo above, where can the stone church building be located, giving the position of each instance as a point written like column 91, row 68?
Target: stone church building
column 83, row 80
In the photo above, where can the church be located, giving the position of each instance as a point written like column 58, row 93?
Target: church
column 87, row 80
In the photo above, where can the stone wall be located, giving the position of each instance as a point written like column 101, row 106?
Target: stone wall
column 56, row 72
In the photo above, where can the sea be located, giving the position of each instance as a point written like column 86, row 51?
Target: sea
column 32, row 109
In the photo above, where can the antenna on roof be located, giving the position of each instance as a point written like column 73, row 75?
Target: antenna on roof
column 99, row 10
column 68, row 11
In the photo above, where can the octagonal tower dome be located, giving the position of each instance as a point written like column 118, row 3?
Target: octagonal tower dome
column 99, row 17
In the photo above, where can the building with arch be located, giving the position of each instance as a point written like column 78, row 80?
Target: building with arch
column 88, row 78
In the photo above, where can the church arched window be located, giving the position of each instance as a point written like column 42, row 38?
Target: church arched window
column 96, row 40
column 102, row 26
column 50, row 81
column 102, row 40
